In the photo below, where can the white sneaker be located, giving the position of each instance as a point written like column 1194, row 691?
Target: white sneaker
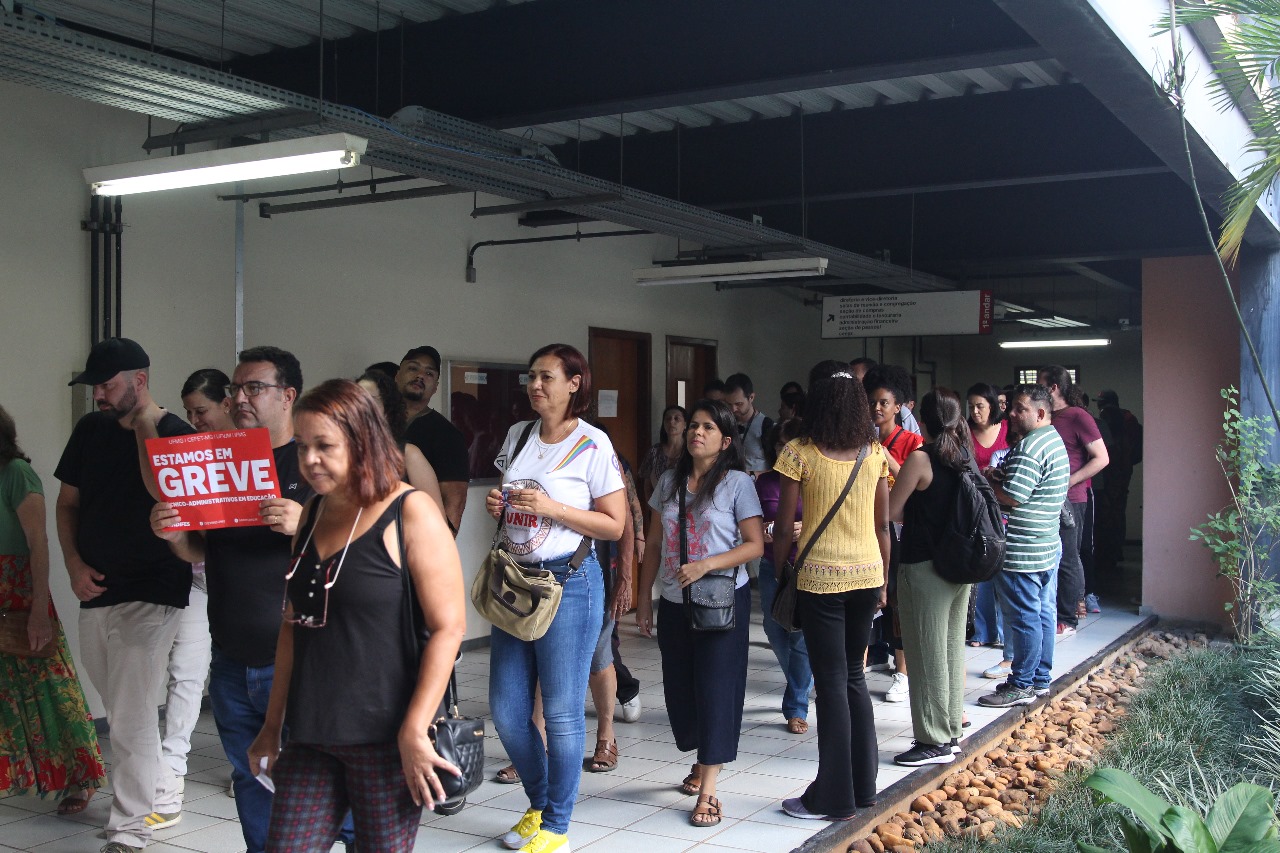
column 897, row 691
column 628, row 711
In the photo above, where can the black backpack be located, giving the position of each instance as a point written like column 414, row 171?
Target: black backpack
column 971, row 548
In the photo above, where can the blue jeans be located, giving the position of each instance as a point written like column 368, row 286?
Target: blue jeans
column 987, row 627
column 559, row 663
column 1030, row 604
column 239, row 696
column 788, row 647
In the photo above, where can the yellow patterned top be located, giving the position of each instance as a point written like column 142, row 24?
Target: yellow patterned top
column 847, row 556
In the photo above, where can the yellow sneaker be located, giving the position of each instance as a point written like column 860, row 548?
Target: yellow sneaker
column 547, row 842
column 156, row 820
column 524, row 831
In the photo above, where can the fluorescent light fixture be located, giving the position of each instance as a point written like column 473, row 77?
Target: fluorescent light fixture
column 732, row 271
column 246, row 163
column 1046, row 343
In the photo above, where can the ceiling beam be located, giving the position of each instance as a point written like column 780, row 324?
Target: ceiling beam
column 1101, row 278
column 871, row 73
column 954, row 186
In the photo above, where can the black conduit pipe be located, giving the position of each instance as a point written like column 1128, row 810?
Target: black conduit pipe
column 93, row 271
column 107, row 267
column 119, row 229
column 471, row 253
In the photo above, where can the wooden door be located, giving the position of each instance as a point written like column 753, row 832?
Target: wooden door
column 691, row 364
column 621, row 377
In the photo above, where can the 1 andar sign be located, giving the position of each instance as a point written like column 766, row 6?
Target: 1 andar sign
column 215, row 479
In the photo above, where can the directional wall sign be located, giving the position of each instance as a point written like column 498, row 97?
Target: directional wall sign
column 902, row 315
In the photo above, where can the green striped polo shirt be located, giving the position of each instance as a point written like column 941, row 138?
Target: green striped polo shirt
column 1035, row 476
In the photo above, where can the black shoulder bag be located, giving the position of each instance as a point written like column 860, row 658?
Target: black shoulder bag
column 457, row 739
column 708, row 601
column 784, row 601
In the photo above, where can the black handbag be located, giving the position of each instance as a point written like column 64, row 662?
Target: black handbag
column 708, row 601
column 457, row 739
column 784, row 601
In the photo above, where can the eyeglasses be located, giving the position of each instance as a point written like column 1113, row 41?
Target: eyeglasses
column 250, row 389
column 308, row 611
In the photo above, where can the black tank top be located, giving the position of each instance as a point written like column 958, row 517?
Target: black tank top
column 353, row 678
column 926, row 513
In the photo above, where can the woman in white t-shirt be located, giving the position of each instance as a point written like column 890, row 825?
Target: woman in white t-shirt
column 704, row 674
column 562, row 484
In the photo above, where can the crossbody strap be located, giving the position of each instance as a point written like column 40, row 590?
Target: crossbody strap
column 415, row 618
column 835, row 507
column 523, row 440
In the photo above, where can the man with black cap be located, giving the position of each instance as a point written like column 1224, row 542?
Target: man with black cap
column 431, row 432
column 131, row 587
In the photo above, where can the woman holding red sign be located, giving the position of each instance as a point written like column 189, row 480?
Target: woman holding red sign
column 346, row 634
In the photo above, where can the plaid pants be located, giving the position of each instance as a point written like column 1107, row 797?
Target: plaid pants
column 316, row 784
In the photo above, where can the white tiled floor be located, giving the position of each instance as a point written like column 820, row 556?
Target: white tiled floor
column 635, row 808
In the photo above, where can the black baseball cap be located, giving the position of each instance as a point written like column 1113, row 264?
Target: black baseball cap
column 418, row 352
column 109, row 357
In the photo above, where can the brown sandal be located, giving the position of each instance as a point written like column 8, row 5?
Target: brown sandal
column 606, row 757
column 508, row 775
column 692, row 783
column 708, row 808
column 75, row 803
column 798, row 725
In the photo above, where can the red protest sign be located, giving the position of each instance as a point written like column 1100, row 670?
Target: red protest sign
column 215, row 479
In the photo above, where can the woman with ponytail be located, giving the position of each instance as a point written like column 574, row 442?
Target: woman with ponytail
column 933, row 610
column 837, row 462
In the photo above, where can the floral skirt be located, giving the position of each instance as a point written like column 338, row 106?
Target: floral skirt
column 47, row 739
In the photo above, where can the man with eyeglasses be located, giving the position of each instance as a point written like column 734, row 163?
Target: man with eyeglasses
column 432, row 433
column 131, row 589
column 245, row 567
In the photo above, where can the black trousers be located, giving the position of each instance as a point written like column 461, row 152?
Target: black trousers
column 704, row 679
column 835, row 628
column 628, row 684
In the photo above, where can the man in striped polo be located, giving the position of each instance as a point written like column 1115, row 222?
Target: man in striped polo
column 1033, row 484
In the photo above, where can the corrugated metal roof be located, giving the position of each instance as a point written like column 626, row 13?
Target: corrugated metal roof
column 950, row 84
column 435, row 146
column 221, row 30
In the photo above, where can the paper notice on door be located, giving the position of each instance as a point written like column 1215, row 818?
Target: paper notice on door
column 607, row 405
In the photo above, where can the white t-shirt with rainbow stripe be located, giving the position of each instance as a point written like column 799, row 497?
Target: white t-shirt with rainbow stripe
column 574, row 471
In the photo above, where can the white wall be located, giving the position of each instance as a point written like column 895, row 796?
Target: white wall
column 339, row 288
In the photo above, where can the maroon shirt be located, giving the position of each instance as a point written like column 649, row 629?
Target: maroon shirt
column 1078, row 430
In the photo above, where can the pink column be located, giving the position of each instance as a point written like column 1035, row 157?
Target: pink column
column 1190, row 350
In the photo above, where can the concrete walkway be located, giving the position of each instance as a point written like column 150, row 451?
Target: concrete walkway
column 634, row 808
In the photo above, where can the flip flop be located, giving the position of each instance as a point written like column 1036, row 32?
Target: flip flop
column 708, row 808
column 605, row 758
column 692, row 783
column 75, row 803
column 507, row 775
column 798, row 725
